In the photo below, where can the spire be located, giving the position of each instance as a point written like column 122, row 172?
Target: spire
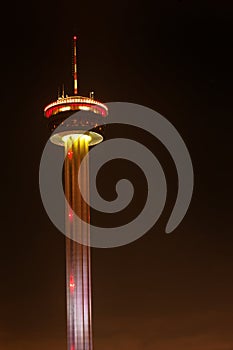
column 75, row 71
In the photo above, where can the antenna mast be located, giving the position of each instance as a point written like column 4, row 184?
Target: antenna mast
column 75, row 73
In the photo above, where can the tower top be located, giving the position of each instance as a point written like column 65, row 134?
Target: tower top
column 58, row 111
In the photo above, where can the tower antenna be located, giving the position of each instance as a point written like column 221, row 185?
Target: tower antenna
column 75, row 71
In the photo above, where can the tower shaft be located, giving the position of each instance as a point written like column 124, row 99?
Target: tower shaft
column 78, row 257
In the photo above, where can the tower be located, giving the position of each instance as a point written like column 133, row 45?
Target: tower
column 77, row 135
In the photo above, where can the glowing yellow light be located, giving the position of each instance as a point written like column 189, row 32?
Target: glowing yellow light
column 84, row 108
column 66, row 108
column 63, row 137
column 74, row 137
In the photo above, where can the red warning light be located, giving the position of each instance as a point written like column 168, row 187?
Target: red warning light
column 75, row 37
column 70, row 215
column 72, row 284
column 70, row 154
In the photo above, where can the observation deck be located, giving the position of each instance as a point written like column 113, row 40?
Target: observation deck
column 90, row 123
column 75, row 103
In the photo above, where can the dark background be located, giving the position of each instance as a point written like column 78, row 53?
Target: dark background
column 162, row 292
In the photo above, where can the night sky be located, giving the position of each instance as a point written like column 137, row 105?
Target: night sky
column 164, row 292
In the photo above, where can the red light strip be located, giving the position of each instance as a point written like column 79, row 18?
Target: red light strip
column 74, row 106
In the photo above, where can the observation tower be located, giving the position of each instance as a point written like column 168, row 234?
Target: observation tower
column 76, row 135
